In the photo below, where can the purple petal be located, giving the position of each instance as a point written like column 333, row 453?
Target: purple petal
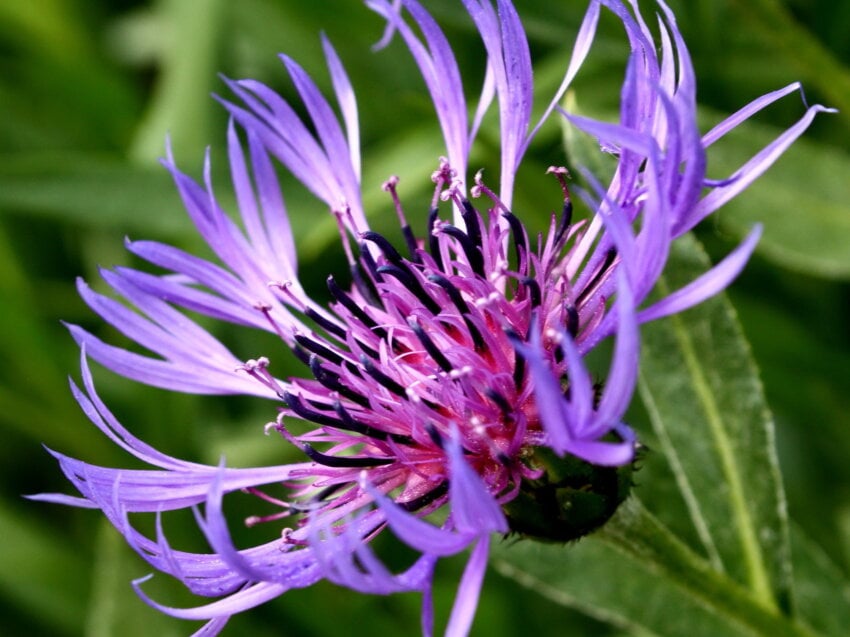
column 439, row 70
column 586, row 34
column 558, row 422
column 752, row 169
column 416, row 533
column 347, row 103
column 707, row 284
column 466, row 600
column 212, row 627
column 250, row 597
column 605, row 454
column 622, row 376
column 474, row 510
column 742, row 115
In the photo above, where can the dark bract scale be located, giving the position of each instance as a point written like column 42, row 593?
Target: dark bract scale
column 572, row 498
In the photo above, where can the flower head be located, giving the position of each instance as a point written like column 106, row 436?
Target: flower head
column 446, row 395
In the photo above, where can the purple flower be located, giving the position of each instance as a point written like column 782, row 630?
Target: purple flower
column 446, row 376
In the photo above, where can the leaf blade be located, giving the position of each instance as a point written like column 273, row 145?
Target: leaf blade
column 729, row 474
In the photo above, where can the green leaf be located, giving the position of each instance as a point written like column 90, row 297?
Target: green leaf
column 823, row 592
column 707, row 407
column 636, row 575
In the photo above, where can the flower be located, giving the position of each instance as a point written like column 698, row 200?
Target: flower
column 448, row 396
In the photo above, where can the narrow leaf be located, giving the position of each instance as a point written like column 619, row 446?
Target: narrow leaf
column 823, row 592
column 636, row 575
column 706, row 404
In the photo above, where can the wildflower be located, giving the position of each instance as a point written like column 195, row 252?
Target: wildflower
column 448, row 376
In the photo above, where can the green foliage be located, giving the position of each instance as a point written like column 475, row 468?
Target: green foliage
column 87, row 92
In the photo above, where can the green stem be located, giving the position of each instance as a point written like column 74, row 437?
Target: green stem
column 636, row 532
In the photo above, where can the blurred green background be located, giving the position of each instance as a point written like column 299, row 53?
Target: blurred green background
column 88, row 90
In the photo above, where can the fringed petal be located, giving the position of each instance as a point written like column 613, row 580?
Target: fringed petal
column 706, row 285
column 466, row 600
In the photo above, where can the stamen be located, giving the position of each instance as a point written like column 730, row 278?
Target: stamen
column 381, row 378
column 258, row 369
column 332, row 381
column 433, row 351
column 462, row 307
column 368, row 262
column 433, row 434
column 390, row 186
column 519, row 235
column 358, row 312
column 519, row 360
column 482, row 188
column 561, row 174
column 433, row 241
column 348, row 462
column 262, row 495
column 598, row 278
column 500, row 401
column 442, row 176
column 287, row 539
column 533, row 288
column 285, row 288
column 301, row 354
column 519, row 369
column 332, row 461
column 350, row 424
column 386, row 247
column 463, row 372
column 343, row 234
column 326, row 324
column 472, row 219
column 254, row 520
column 451, row 290
column 409, row 280
column 424, row 500
column 266, row 309
column 598, row 388
column 572, row 319
column 316, row 347
column 473, row 254
column 304, row 412
column 365, row 284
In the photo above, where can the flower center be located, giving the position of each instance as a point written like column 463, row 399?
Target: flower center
column 424, row 347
